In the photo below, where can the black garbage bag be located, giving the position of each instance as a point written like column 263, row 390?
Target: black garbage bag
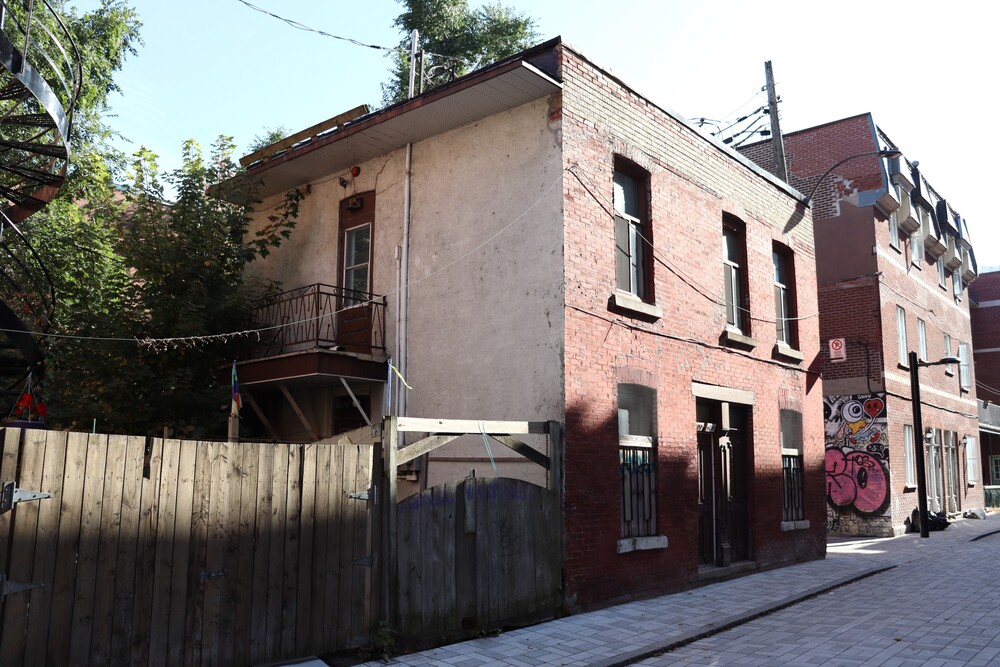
column 937, row 521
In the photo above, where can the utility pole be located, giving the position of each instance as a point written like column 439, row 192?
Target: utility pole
column 777, row 140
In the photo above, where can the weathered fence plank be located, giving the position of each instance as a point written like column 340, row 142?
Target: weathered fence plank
column 168, row 552
column 43, row 570
column 68, row 548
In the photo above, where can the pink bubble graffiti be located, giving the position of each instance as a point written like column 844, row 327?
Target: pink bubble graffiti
column 856, row 479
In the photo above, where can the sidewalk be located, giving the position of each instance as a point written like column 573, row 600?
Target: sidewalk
column 627, row 633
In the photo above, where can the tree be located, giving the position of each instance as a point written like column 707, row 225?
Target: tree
column 455, row 40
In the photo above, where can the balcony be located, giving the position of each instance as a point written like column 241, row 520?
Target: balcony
column 315, row 331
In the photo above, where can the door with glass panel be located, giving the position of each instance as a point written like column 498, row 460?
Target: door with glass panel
column 355, row 309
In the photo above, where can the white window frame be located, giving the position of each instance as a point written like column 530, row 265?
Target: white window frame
column 909, row 456
column 733, row 251
column 351, row 297
column 783, row 306
column 922, row 339
column 901, row 335
column 971, row 460
column 629, row 230
column 894, row 221
column 942, row 276
column 995, row 468
column 917, row 239
column 948, row 368
column 964, row 369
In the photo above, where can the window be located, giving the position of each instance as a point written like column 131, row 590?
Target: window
column 734, row 274
column 784, row 303
column 632, row 234
column 949, row 368
column 909, row 456
column 942, row 275
column 922, row 339
column 953, row 501
column 637, row 459
column 894, row 221
column 901, row 334
column 995, row 468
column 971, row 460
column 793, row 506
column 956, row 285
column 357, row 215
column 964, row 370
column 916, row 238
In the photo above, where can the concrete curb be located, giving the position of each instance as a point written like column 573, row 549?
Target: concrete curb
column 979, row 537
column 678, row 641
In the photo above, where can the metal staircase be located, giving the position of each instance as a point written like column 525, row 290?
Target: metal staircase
column 39, row 84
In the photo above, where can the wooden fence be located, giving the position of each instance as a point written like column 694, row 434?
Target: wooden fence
column 169, row 552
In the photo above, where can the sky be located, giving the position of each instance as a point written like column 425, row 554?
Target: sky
column 925, row 70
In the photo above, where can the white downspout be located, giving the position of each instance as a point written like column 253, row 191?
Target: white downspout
column 404, row 270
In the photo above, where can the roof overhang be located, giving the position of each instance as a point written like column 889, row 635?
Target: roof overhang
column 464, row 101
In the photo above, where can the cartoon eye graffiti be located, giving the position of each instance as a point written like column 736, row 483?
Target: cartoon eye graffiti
column 853, row 411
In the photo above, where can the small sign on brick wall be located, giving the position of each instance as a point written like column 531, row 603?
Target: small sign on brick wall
column 838, row 349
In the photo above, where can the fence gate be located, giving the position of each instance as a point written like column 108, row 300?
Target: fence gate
column 170, row 552
column 481, row 553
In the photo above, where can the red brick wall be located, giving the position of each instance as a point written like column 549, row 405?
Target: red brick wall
column 985, row 291
column 693, row 183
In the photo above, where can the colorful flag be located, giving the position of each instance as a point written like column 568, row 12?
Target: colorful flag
column 237, row 401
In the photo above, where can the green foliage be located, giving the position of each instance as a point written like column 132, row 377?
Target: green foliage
column 382, row 643
column 456, row 40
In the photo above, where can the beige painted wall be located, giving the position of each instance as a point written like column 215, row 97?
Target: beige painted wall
column 485, row 309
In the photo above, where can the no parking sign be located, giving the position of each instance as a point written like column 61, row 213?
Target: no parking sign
column 838, row 349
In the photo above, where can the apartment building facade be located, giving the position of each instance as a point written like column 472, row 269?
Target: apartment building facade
column 894, row 265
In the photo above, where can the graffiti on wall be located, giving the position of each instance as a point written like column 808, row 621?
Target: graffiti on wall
column 857, row 455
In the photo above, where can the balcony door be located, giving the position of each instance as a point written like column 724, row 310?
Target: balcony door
column 355, row 310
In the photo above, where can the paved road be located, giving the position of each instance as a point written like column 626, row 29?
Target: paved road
column 888, row 602
column 940, row 606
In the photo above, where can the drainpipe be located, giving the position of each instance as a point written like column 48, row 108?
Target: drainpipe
column 404, row 270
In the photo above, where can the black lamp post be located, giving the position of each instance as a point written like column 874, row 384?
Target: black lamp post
column 892, row 152
column 918, row 431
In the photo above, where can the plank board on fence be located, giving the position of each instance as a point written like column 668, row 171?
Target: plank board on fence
column 149, row 514
column 11, row 443
column 430, row 561
column 485, row 555
column 307, row 520
column 43, row 570
column 276, row 563
column 465, row 555
column 290, row 581
column 181, row 552
column 25, row 522
column 132, row 449
column 200, row 507
column 321, row 556
column 262, row 550
column 408, row 559
column 361, row 568
column 214, row 570
column 348, row 518
column 87, row 563
column 67, row 549
column 523, row 581
column 243, row 577
column 159, row 606
column 227, row 621
column 547, row 559
column 337, row 502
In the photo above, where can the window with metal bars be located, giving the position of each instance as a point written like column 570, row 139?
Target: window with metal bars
column 793, row 508
column 637, row 459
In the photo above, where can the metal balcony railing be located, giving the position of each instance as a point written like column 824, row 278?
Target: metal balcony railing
column 322, row 316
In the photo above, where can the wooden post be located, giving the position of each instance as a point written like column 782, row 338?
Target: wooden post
column 777, row 140
column 234, row 427
column 556, row 449
column 390, row 577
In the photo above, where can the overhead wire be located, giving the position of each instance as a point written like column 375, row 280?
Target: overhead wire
column 298, row 25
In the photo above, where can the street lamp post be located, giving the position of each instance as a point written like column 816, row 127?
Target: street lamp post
column 918, row 432
column 892, row 152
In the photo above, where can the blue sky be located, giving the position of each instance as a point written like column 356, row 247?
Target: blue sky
column 218, row 67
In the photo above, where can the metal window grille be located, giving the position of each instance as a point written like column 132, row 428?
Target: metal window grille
column 791, row 476
column 638, row 471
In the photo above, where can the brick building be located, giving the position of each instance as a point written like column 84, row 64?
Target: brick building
column 984, row 297
column 575, row 253
column 893, row 264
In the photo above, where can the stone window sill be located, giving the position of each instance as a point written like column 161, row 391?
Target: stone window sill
column 787, row 526
column 631, row 302
column 629, row 544
column 782, row 350
column 737, row 339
